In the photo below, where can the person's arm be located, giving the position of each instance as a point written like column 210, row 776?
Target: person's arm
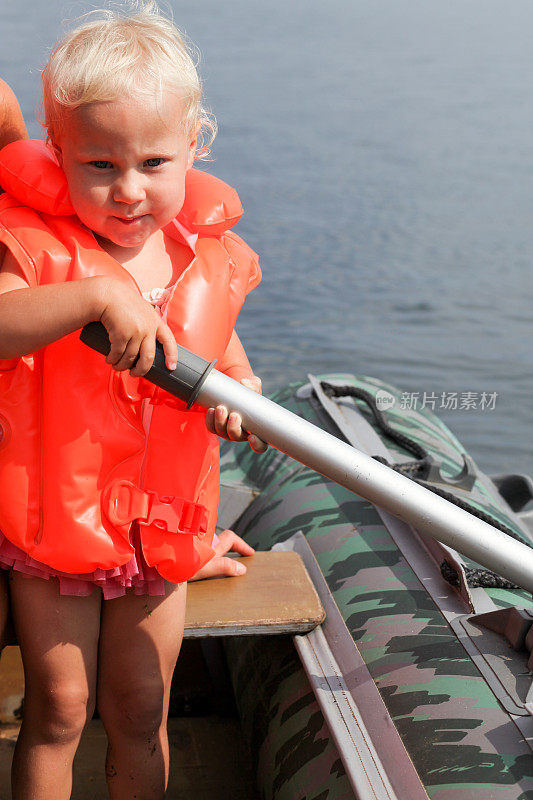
column 12, row 125
column 31, row 318
column 235, row 362
column 218, row 420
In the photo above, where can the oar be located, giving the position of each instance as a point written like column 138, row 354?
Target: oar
column 196, row 381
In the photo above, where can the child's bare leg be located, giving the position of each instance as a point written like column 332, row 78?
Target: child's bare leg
column 139, row 644
column 4, row 605
column 58, row 637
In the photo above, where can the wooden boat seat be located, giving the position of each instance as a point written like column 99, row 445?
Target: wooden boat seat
column 276, row 595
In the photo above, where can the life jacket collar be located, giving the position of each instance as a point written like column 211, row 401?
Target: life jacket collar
column 30, row 172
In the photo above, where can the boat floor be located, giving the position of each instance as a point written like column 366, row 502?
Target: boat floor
column 207, row 761
column 208, row 755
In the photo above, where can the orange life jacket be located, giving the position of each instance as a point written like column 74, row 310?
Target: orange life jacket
column 82, row 455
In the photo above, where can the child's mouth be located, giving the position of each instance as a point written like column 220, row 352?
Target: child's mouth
column 130, row 220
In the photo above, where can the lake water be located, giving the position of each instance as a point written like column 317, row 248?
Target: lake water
column 382, row 151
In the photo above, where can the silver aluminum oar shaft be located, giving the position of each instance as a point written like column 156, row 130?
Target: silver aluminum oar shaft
column 368, row 478
column 195, row 381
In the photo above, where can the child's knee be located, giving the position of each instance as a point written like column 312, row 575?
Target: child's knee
column 134, row 711
column 62, row 711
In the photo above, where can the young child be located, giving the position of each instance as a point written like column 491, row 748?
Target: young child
column 103, row 480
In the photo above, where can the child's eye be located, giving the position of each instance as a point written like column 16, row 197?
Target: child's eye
column 154, row 162
column 101, row 164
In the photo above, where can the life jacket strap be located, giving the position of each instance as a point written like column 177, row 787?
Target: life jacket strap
column 125, row 502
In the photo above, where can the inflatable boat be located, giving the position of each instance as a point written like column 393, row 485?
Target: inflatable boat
column 419, row 684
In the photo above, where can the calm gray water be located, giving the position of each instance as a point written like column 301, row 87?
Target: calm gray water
column 383, row 154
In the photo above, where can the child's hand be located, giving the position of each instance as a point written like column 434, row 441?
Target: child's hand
column 229, row 426
column 220, row 564
column 134, row 327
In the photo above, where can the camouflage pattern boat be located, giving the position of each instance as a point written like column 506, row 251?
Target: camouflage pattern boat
column 429, row 657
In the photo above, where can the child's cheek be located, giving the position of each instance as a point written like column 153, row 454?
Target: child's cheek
column 177, row 192
column 88, row 204
column 93, row 199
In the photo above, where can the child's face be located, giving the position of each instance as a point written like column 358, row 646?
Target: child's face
column 125, row 163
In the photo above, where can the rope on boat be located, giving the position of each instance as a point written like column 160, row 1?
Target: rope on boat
column 475, row 576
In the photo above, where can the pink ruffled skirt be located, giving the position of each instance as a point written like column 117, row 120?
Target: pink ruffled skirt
column 135, row 574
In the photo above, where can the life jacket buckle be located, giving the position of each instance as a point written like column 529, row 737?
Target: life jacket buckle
column 175, row 515
column 125, row 502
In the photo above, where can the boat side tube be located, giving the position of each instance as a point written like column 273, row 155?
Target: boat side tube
column 375, row 759
column 342, row 463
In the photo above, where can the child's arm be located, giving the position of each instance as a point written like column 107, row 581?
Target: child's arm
column 11, row 123
column 235, row 362
column 229, row 426
column 31, row 318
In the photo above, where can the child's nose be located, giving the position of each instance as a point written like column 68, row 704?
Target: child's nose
column 128, row 188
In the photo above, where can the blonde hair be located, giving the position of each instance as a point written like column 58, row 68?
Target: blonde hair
column 113, row 55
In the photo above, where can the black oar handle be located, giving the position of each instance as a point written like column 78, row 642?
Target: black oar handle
column 184, row 382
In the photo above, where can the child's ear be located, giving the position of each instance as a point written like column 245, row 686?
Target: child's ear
column 193, row 146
